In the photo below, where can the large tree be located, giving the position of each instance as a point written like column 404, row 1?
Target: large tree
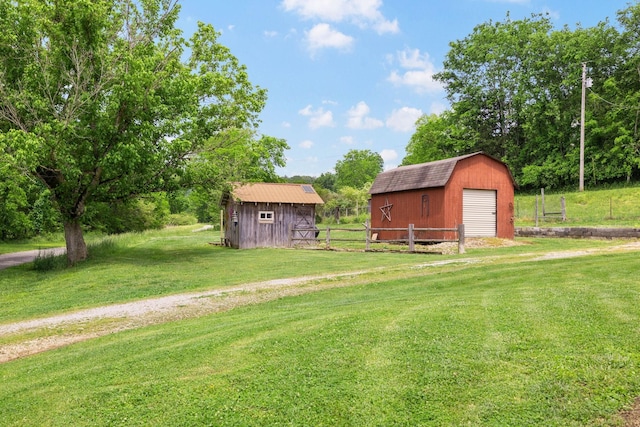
column 102, row 100
column 357, row 168
column 437, row 137
column 515, row 87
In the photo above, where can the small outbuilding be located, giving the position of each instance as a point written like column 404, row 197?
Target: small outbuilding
column 268, row 215
column 476, row 190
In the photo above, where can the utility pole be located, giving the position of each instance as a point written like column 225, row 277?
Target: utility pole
column 584, row 87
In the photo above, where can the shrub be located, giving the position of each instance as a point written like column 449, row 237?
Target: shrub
column 182, row 219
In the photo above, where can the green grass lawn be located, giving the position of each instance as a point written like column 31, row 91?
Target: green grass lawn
column 507, row 341
column 489, row 345
column 156, row 263
column 615, row 207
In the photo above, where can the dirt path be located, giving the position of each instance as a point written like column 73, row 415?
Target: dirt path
column 60, row 330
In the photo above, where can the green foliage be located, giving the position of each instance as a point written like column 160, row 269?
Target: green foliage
column 515, row 90
column 436, row 137
column 347, row 202
column 25, row 206
column 105, row 100
column 44, row 215
column 232, row 155
column 139, row 214
column 300, row 179
column 327, row 181
column 182, row 219
column 357, row 168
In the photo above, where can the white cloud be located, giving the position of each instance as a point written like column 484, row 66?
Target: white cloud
column 364, row 13
column 358, row 118
column 347, row 140
column 306, row 144
column 323, row 36
column 417, row 72
column 322, row 120
column 388, row 155
column 403, row 119
column 270, row 34
column 387, row 27
column 286, row 124
column 317, row 118
column 306, row 111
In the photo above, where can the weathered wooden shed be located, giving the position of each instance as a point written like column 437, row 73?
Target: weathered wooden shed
column 476, row 190
column 263, row 214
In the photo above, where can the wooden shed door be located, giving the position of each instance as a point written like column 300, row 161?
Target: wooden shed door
column 304, row 222
column 479, row 213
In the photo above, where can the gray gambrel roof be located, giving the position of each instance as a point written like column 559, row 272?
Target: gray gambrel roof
column 423, row 175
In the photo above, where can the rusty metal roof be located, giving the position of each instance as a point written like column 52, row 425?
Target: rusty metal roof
column 423, row 175
column 261, row 192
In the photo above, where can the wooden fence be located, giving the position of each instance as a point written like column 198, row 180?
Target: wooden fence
column 310, row 236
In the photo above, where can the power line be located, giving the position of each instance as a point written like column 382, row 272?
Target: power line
column 613, row 104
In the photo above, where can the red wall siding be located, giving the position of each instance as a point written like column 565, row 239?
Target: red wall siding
column 423, row 208
column 445, row 204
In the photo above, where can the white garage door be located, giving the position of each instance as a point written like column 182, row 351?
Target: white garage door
column 479, row 213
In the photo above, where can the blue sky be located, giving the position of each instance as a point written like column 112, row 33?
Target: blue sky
column 356, row 74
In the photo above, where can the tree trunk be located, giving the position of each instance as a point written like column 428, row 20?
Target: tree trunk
column 76, row 247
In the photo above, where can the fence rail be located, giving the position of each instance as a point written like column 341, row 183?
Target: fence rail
column 303, row 235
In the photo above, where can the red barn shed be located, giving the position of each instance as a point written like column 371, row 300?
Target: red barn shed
column 476, row 190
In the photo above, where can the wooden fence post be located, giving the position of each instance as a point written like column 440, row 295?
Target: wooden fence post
column 328, row 237
column 368, row 237
column 461, row 238
column 411, row 244
column 564, row 208
column 536, row 211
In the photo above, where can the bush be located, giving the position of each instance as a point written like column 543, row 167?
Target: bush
column 182, row 219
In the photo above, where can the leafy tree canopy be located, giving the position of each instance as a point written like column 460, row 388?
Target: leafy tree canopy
column 102, row 100
column 515, row 91
column 357, row 168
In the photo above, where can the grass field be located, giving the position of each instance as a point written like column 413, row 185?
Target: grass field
column 505, row 340
column 496, row 337
column 615, row 207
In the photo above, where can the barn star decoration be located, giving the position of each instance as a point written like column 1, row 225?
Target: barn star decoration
column 386, row 210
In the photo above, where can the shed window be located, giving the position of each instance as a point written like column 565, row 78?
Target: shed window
column 265, row 217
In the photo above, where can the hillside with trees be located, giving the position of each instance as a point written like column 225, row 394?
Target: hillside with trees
column 515, row 91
